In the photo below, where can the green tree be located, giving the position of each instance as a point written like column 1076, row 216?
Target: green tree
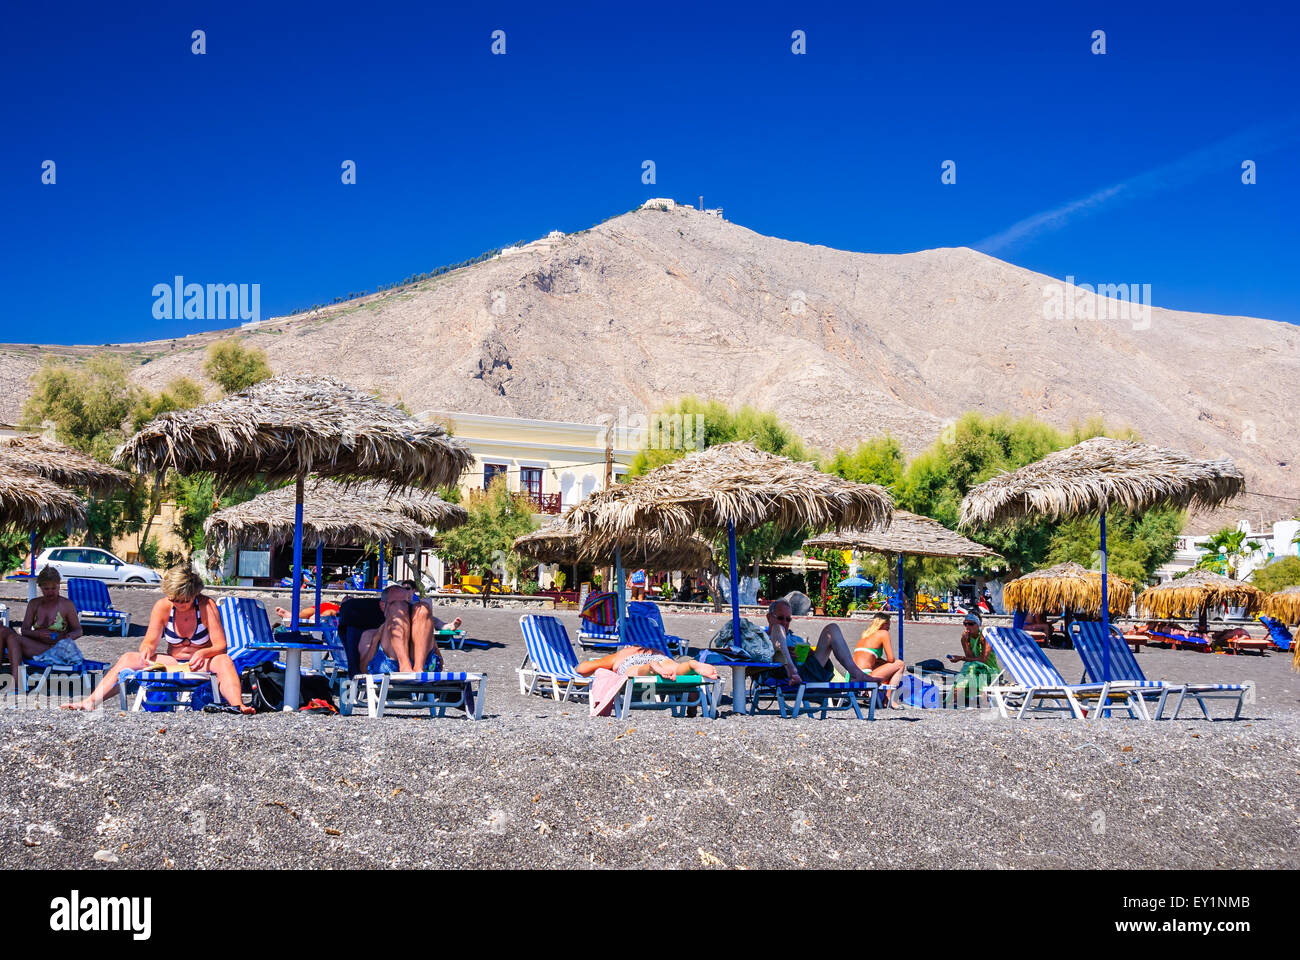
column 1282, row 572
column 235, row 367
column 485, row 541
column 1136, row 544
column 1225, row 551
column 88, row 405
column 878, row 460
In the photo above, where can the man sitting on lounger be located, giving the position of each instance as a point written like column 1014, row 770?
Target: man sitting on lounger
column 817, row 668
column 407, row 633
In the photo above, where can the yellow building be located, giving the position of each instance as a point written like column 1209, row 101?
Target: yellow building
column 551, row 463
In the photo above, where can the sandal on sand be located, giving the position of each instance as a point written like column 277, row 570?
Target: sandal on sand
column 220, row 708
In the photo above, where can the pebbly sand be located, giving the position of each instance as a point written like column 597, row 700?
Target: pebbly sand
column 539, row 784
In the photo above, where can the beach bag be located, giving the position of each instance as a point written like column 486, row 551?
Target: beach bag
column 264, row 687
column 754, row 643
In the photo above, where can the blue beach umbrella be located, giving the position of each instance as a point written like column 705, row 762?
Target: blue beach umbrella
column 1096, row 477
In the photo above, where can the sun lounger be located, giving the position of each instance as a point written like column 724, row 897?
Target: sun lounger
column 1034, row 685
column 383, row 685
column 654, row 692
column 47, row 676
column 1278, row 633
column 595, row 636
column 549, row 658
column 1124, row 667
column 774, row 688
column 644, row 608
column 94, row 605
column 1178, row 640
column 245, row 623
column 641, row 631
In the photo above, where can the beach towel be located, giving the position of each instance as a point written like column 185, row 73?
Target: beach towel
column 605, row 686
column 65, row 653
column 601, row 609
column 754, row 643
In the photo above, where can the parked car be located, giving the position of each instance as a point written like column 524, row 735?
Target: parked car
column 95, row 564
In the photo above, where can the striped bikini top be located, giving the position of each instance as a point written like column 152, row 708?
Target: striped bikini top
column 174, row 639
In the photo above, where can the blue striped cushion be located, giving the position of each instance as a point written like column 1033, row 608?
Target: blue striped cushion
column 594, row 631
column 167, row 676
column 548, row 645
column 1091, row 644
column 91, row 598
column 1019, row 654
column 432, row 677
column 245, row 621
column 644, row 632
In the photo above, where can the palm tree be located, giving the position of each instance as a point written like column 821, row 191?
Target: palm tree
column 1225, row 549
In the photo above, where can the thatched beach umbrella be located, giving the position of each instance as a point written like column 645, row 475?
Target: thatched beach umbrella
column 289, row 427
column 1285, row 604
column 1098, row 475
column 1067, row 586
column 908, row 534
column 556, row 543
column 59, row 464
column 33, row 503
column 334, row 514
column 1194, row 593
column 733, row 487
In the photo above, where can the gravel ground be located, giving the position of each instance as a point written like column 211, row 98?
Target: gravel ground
column 540, row 784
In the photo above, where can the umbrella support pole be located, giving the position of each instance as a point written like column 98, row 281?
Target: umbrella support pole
column 292, row 674
column 379, row 573
column 735, row 594
column 902, row 606
column 620, row 585
column 320, row 569
column 1105, row 608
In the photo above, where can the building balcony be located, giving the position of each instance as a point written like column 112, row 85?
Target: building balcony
column 541, row 502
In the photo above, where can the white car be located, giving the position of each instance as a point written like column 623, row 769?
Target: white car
column 94, row 564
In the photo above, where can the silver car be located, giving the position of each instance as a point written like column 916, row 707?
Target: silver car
column 94, row 564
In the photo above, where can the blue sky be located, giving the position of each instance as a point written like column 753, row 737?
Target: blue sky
column 225, row 167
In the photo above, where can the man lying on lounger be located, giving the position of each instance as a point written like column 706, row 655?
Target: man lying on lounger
column 817, row 668
column 407, row 633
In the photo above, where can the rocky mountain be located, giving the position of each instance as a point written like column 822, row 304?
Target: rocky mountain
column 657, row 303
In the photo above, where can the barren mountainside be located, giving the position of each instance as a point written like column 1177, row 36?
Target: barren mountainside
column 653, row 305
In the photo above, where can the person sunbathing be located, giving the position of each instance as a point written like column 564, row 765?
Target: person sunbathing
column 633, row 661
column 407, row 633
column 874, row 653
column 187, row 624
column 327, row 609
column 49, row 623
column 817, row 666
column 1039, row 627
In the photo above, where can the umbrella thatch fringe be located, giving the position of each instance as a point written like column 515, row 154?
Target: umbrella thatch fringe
column 34, row 503
column 1197, row 590
column 1067, row 586
column 730, row 482
column 556, row 543
column 60, row 464
column 1284, row 605
column 1102, row 474
column 334, row 516
column 908, row 533
column 289, row 427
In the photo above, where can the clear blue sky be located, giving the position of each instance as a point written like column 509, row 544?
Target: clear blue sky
column 226, row 167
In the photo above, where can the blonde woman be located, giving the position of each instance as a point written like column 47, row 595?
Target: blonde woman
column 49, row 625
column 874, row 653
column 184, row 633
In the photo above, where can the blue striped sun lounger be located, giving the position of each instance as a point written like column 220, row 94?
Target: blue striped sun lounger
column 1033, row 685
column 649, row 610
column 654, row 692
column 549, row 659
column 94, row 606
column 1124, row 667
column 245, row 623
column 774, row 687
column 383, row 685
column 1277, row 632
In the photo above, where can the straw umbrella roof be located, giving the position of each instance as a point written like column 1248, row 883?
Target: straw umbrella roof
column 1102, row 474
column 33, row 503
column 289, row 427
column 556, row 543
column 60, row 464
column 908, row 533
column 421, row 506
column 1068, row 586
column 336, row 516
column 730, row 482
column 1285, row 605
column 1197, row 591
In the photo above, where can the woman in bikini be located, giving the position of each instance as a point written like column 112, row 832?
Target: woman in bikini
column 50, row 620
column 633, row 661
column 187, row 627
column 875, row 653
